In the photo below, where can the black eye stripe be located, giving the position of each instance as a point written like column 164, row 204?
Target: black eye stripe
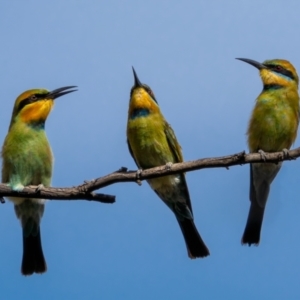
column 29, row 100
column 282, row 71
column 149, row 91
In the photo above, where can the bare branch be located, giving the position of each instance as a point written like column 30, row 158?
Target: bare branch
column 74, row 193
column 86, row 190
column 218, row 162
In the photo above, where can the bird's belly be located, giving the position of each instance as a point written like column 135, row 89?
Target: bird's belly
column 167, row 183
column 29, row 167
column 168, row 188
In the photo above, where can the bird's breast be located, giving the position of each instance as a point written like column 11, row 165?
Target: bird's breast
column 148, row 141
column 274, row 121
column 27, row 157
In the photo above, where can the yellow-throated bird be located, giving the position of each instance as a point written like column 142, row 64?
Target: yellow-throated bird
column 272, row 127
column 152, row 143
column 27, row 160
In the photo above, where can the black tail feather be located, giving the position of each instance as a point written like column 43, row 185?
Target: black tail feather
column 194, row 243
column 254, row 223
column 33, row 258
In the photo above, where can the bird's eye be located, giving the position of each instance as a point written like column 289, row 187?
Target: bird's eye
column 278, row 68
column 33, row 97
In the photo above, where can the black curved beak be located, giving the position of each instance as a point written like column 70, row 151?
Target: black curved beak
column 253, row 63
column 61, row 91
column 137, row 82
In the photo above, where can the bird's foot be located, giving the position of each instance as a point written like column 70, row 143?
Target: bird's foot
column 169, row 165
column 138, row 176
column 39, row 188
column 262, row 155
column 285, row 154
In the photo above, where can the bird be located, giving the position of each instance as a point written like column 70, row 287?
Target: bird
column 27, row 160
column 152, row 142
column 272, row 127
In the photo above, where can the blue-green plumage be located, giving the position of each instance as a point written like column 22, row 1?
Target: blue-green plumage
column 152, row 143
column 141, row 112
column 272, row 127
column 27, row 160
column 271, row 87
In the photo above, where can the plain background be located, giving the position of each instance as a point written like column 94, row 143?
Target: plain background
column 185, row 50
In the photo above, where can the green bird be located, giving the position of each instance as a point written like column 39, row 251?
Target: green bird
column 27, row 160
column 152, row 143
column 273, row 127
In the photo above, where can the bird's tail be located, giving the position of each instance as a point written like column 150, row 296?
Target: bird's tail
column 194, row 243
column 30, row 213
column 254, row 222
column 33, row 258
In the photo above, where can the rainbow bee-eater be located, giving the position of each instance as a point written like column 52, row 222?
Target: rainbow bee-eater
column 273, row 127
column 27, row 160
column 152, row 143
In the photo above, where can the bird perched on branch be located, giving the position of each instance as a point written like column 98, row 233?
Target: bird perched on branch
column 152, row 143
column 273, row 127
column 27, row 160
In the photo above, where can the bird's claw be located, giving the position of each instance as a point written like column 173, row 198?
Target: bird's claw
column 262, row 155
column 169, row 165
column 285, row 154
column 39, row 188
column 138, row 176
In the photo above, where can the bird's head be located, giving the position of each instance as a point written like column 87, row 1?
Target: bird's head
column 34, row 106
column 275, row 71
column 142, row 99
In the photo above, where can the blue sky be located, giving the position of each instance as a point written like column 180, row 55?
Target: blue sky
column 185, row 51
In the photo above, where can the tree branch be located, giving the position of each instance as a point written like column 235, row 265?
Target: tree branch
column 217, row 162
column 86, row 190
column 51, row 193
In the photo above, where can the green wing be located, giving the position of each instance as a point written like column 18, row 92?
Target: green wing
column 131, row 153
column 176, row 150
column 173, row 144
